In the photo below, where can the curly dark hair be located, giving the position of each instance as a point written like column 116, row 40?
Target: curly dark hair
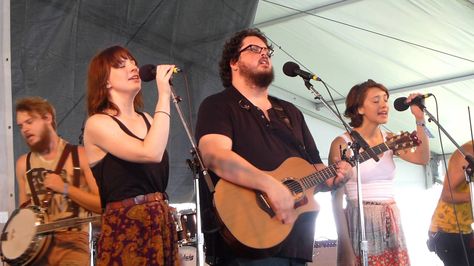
column 355, row 99
column 230, row 52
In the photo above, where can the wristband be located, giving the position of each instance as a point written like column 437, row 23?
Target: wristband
column 425, row 129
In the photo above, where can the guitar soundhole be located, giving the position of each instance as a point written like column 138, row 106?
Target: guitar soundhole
column 294, row 186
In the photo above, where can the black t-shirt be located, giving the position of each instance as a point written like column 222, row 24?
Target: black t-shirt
column 265, row 144
column 118, row 179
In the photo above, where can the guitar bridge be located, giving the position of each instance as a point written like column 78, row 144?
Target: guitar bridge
column 263, row 204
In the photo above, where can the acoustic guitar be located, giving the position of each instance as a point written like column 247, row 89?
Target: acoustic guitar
column 249, row 223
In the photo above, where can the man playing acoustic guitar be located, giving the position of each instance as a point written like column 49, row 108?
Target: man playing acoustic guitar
column 243, row 133
column 55, row 175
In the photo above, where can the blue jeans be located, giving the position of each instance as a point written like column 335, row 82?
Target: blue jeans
column 450, row 250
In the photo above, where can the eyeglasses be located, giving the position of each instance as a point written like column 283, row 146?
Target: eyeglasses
column 257, row 49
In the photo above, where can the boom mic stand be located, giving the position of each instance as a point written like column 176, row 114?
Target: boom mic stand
column 358, row 143
column 197, row 160
column 470, row 160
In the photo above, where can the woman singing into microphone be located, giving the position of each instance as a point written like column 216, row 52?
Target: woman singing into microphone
column 126, row 151
column 367, row 108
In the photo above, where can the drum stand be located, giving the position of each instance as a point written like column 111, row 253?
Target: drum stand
column 199, row 164
column 92, row 250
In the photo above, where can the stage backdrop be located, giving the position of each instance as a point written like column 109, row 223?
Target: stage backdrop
column 54, row 40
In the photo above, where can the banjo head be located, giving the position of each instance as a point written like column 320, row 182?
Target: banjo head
column 19, row 239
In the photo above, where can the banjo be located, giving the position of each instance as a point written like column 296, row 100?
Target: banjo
column 27, row 234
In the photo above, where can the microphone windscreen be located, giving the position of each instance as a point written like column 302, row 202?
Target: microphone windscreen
column 400, row 104
column 289, row 68
column 147, row 72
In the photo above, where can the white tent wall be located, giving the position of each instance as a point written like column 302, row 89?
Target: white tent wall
column 7, row 174
column 416, row 204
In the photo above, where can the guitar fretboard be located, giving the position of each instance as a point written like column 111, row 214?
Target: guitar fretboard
column 319, row 177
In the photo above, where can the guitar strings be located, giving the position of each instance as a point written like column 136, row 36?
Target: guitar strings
column 330, row 171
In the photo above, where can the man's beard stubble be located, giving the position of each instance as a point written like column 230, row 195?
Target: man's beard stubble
column 262, row 79
column 43, row 143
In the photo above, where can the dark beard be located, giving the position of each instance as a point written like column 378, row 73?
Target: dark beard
column 262, row 80
column 43, row 143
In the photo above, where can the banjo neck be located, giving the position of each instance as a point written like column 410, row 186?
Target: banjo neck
column 72, row 222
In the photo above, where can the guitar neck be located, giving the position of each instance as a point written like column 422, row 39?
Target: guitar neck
column 319, row 177
column 379, row 149
column 73, row 222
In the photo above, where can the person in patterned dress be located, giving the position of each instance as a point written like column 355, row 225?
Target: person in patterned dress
column 367, row 108
column 127, row 153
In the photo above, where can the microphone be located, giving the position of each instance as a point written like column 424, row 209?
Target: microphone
column 401, row 105
column 292, row 69
column 148, row 72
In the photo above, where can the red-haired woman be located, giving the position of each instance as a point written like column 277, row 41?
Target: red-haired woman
column 126, row 151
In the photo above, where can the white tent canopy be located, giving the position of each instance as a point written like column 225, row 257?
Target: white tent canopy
column 422, row 46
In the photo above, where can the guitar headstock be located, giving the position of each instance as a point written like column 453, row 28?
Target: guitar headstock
column 403, row 142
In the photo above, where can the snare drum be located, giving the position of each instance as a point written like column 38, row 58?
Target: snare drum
column 187, row 221
column 21, row 244
column 187, row 255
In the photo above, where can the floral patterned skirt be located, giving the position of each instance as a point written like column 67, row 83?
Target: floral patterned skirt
column 143, row 234
column 384, row 233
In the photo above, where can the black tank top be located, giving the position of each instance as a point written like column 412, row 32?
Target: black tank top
column 118, row 179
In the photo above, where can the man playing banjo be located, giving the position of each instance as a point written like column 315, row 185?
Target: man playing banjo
column 55, row 176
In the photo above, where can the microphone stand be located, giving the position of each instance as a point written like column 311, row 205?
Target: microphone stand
column 196, row 160
column 470, row 160
column 358, row 143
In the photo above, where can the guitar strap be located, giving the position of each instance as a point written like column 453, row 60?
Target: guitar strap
column 76, row 173
column 62, row 160
column 29, row 176
column 283, row 117
column 76, row 176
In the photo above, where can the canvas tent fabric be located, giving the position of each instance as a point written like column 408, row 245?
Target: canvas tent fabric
column 54, row 40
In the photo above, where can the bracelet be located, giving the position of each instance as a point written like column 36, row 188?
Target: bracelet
column 420, row 123
column 65, row 190
column 425, row 129
column 166, row 113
